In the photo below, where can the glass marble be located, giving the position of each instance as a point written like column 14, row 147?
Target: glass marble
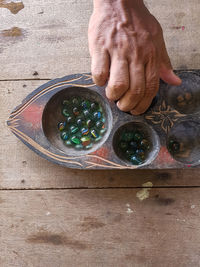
column 145, row 144
column 85, row 104
column 70, row 119
column 86, row 113
column 100, row 125
column 65, row 112
column 85, row 131
column 85, row 140
column 76, row 111
column 135, row 160
column 128, row 136
column 75, row 101
column 97, row 115
column 66, row 102
column 79, row 122
column 174, row 146
column 94, row 134
column 137, row 136
column 94, row 106
column 68, row 143
column 89, row 123
column 133, row 144
column 75, row 140
column 61, row 126
column 74, row 129
column 64, row 135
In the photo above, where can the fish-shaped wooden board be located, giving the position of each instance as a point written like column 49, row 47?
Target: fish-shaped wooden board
column 69, row 121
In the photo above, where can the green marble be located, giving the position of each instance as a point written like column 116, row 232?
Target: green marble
column 66, row 103
column 74, row 129
column 75, row 101
column 75, row 140
column 65, row 112
column 137, row 136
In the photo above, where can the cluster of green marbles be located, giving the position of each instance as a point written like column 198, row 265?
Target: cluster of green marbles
column 134, row 146
column 84, row 123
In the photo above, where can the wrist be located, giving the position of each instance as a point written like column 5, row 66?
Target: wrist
column 119, row 4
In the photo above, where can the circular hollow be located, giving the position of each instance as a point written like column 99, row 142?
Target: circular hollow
column 183, row 142
column 123, row 151
column 52, row 116
column 186, row 97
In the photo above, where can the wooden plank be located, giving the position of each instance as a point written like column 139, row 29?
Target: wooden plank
column 21, row 168
column 48, row 39
column 100, row 228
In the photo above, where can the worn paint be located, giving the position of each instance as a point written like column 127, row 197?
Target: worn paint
column 144, row 193
column 13, row 32
column 13, row 6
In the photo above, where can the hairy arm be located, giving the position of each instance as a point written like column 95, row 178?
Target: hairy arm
column 128, row 51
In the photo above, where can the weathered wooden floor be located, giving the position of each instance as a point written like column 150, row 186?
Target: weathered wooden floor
column 56, row 217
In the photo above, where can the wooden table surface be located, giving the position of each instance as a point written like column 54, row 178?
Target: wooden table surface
column 56, row 217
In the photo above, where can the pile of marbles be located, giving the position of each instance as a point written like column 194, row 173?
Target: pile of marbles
column 84, row 123
column 134, row 146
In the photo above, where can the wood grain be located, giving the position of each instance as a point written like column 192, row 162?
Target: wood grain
column 100, row 228
column 21, row 168
column 53, row 37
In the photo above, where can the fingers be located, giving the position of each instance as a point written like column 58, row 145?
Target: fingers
column 136, row 89
column 118, row 82
column 166, row 71
column 100, row 67
column 151, row 87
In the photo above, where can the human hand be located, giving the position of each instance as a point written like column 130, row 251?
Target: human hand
column 128, row 51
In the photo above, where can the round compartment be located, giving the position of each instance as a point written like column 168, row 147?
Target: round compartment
column 183, row 142
column 136, row 143
column 186, row 97
column 52, row 116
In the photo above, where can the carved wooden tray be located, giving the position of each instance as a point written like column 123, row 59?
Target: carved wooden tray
column 171, row 125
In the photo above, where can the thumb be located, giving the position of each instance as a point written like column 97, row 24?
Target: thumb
column 166, row 71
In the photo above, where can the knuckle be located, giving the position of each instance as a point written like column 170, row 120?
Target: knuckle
column 118, row 86
column 99, row 74
column 136, row 92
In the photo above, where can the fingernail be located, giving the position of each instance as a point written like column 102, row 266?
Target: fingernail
column 118, row 104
